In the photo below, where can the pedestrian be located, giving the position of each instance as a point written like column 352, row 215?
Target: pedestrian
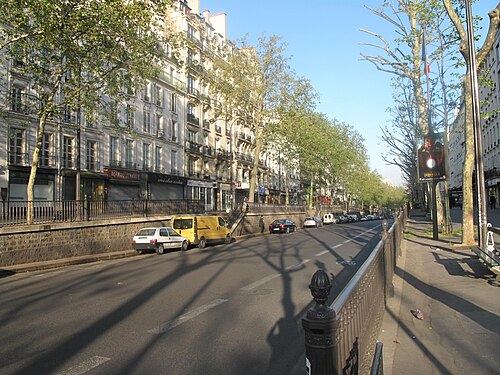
column 261, row 224
column 493, row 201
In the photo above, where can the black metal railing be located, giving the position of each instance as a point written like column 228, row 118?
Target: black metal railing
column 340, row 338
column 15, row 212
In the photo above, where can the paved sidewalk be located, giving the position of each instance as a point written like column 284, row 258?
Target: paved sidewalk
column 460, row 330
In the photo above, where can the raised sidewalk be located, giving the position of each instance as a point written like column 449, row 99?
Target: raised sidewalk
column 460, row 329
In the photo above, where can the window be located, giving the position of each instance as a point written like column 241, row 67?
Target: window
column 174, row 131
column 146, row 93
column 146, row 157
column 17, row 99
column 192, row 136
column 16, row 155
column 159, row 126
column 114, row 156
column 173, row 162
column 173, row 102
column 192, row 167
column 191, row 85
column 158, row 96
column 67, row 152
column 45, row 151
column 158, row 161
column 91, row 161
column 146, row 126
column 129, row 153
column 129, row 116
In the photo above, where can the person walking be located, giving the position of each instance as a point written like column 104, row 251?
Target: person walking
column 261, row 224
column 493, row 201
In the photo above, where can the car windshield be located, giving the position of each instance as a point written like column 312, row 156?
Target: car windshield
column 146, row 232
column 183, row 223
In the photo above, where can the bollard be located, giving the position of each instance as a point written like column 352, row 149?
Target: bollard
column 319, row 328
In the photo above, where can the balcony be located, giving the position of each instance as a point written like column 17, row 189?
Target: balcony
column 192, row 119
column 129, row 165
column 222, row 154
column 193, row 147
column 207, row 150
column 115, row 163
column 193, row 92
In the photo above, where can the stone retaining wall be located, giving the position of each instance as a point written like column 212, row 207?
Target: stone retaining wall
column 37, row 243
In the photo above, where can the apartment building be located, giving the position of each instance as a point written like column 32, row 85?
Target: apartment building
column 490, row 124
column 168, row 145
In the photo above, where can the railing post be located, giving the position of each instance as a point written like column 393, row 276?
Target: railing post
column 319, row 328
column 388, row 257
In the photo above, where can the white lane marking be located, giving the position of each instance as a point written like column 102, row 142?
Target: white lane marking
column 260, row 282
column 297, row 266
column 162, row 328
column 86, row 366
column 321, row 253
column 346, row 241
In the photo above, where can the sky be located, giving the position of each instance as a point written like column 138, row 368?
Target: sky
column 323, row 39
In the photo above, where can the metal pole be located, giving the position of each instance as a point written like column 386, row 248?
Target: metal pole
column 435, row 233
column 478, row 136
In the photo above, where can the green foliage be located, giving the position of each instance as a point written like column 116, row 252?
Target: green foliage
column 82, row 49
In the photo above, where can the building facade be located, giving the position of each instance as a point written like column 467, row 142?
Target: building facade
column 168, row 145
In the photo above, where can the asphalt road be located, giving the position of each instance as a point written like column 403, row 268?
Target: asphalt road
column 228, row 309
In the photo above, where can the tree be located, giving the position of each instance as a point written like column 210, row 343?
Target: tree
column 468, row 165
column 74, row 51
column 251, row 82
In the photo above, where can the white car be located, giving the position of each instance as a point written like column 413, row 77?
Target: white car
column 312, row 222
column 158, row 239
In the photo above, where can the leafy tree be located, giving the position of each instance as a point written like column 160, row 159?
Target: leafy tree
column 252, row 82
column 73, row 51
column 468, row 166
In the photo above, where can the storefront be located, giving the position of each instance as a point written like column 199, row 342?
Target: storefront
column 44, row 188
column 203, row 191
column 165, row 187
column 122, row 185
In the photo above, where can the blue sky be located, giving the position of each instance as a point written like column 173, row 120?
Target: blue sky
column 323, row 39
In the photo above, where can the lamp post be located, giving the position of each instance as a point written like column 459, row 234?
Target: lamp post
column 478, row 136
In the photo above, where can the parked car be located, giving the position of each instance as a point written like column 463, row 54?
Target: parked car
column 352, row 218
column 328, row 219
column 158, row 239
column 312, row 222
column 202, row 230
column 342, row 219
column 282, row 226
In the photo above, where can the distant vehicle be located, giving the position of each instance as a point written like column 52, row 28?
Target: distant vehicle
column 312, row 222
column 202, row 230
column 328, row 219
column 282, row 226
column 343, row 219
column 367, row 218
column 158, row 239
column 352, row 218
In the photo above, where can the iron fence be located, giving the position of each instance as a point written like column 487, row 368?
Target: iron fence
column 347, row 330
column 14, row 212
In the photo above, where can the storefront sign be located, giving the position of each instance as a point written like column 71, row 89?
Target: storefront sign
column 119, row 174
column 205, row 184
column 166, row 179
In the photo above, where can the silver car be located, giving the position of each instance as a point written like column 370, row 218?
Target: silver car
column 158, row 239
column 312, row 221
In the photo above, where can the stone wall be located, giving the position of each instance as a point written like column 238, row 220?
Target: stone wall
column 37, row 243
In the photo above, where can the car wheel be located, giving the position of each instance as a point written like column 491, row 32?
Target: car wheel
column 228, row 239
column 202, row 243
column 287, row 230
column 138, row 251
column 160, row 249
column 184, row 245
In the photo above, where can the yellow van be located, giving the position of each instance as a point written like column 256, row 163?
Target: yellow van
column 202, row 230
